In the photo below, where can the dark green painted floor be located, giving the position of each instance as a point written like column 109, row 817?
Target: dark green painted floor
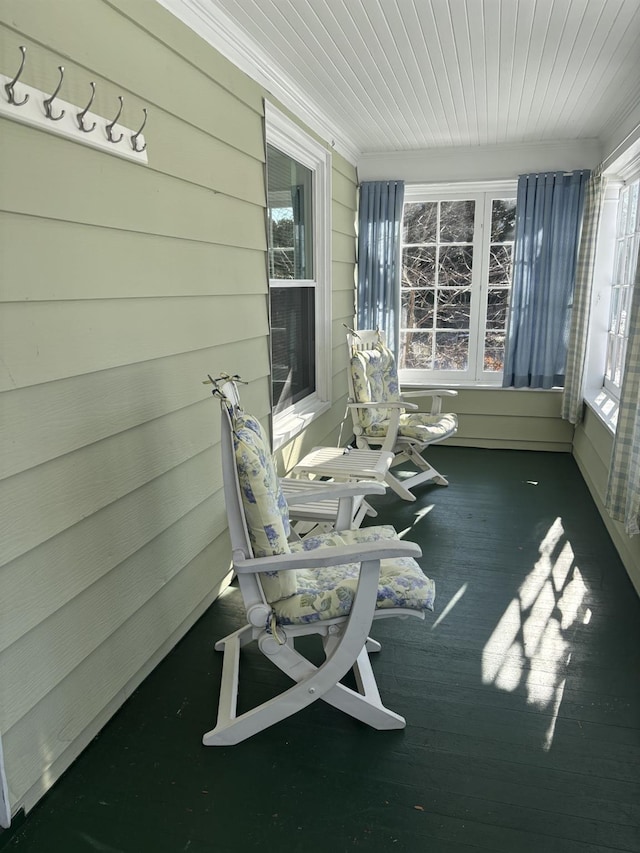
column 521, row 693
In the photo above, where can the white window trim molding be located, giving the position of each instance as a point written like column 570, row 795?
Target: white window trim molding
column 285, row 135
column 599, row 399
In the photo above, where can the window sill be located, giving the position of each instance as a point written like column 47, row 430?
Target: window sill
column 287, row 425
column 605, row 407
column 473, row 386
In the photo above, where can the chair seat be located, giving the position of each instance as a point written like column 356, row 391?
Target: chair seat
column 328, row 593
column 420, row 426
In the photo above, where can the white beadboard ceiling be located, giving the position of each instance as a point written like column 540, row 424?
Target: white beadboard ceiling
column 396, row 75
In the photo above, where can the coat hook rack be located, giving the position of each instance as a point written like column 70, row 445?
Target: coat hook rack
column 52, row 114
column 80, row 116
column 8, row 87
column 49, row 101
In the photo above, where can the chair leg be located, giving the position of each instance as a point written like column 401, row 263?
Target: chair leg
column 372, row 645
column 228, row 699
column 365, row 706
column 418, row 459
column 398, row 488
column 312, row 682
column 365, row 509
column 244, row 635
column 428, row 474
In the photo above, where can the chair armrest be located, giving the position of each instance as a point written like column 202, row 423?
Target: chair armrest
column 328, row 490
column 433, row 392
column 436, row 395
column 391, row 404
column 320, row 558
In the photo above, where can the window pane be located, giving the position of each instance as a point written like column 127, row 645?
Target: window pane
column 454, row 269
column 416, row 350
column 624, row 311
column 456, row 221
column 281, row 263
column 289, row 205
column 418, row 267
column 497, row 305
column 292, row 344
column 452, row 351
column 630, row 255
column 614, row 309
column 503, row 220
column 500, row 265
column 610, row 360
column 618, row 268
column 417, row 308
column 623, row 210
column 618, row 366
column 494, row 351
column 454, row 309
column 420, row 222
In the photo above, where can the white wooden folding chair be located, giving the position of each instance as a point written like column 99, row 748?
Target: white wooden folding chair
column 313, row 504
column 332, row 586
column 383, row 417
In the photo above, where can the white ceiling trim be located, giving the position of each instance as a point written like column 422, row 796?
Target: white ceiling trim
column 218, row 30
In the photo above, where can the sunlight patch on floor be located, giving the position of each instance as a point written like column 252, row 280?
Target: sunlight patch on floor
column 531, row 644
column 420, row 514
column 452, row 603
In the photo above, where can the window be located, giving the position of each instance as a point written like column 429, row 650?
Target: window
column 291, row 239
column 298, row 203
column 624, row 268
column 457, row 252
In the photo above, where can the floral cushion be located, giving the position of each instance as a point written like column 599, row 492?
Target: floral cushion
column 265, row 507
column 375, row 379
column 328, row 593
column 419, row 425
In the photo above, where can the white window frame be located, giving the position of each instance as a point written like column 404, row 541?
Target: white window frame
column 483, row 193
column 599, row 394
column 622, row 282
column 282, row 133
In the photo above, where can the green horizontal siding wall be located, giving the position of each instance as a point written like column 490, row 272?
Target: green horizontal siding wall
column 122, row 287
column 508, row 418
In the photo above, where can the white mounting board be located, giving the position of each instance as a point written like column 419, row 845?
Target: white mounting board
column 33, row 114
